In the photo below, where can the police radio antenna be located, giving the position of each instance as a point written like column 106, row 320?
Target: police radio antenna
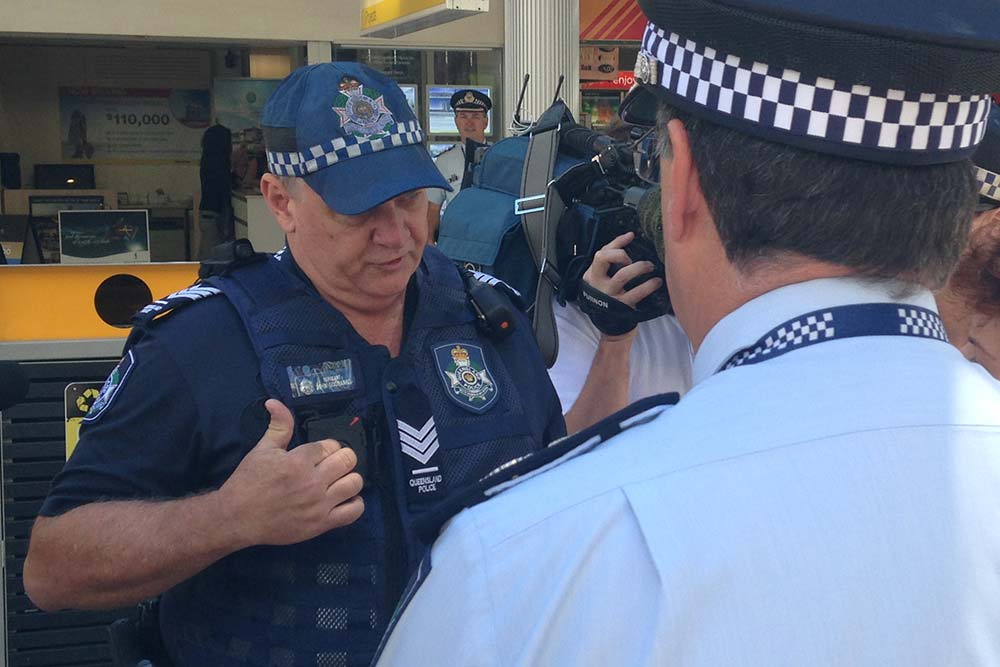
column 517, row 125
column 555, row 98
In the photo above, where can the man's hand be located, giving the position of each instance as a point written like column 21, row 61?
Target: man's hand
column 613, row 254
column 276, row 496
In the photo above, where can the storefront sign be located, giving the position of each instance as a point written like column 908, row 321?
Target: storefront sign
column 393, row 18
column 598, row 63
column 133, row 124
column 624, row 80
column 611, row 20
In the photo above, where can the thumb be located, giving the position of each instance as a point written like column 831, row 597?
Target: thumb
column 279, row 429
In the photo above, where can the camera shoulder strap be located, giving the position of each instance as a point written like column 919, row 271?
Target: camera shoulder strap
column 539, row 222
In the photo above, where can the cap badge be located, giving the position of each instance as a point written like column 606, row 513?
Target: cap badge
column 645, row 68
column 469, row 97
column 364, row 115
column 348, row 83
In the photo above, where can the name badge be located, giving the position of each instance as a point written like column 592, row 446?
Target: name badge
column 326, row 377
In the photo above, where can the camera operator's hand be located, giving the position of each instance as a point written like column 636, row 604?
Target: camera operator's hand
column 612, row 256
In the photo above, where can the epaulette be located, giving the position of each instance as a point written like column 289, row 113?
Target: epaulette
column 493, row 281
column 170, row 303
column 558, row 452
column 504, row 288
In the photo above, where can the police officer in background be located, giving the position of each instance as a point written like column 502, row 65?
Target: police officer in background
column 827, row 493
column 472, row 117
column 262, row 453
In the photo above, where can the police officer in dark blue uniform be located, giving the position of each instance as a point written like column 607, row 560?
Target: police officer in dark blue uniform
column 264, row 451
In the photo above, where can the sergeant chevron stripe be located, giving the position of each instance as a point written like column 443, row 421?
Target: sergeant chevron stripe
column 420, row 444
column 193, row 293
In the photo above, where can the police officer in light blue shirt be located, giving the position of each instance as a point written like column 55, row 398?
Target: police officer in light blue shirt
column 827, row 493
column 265, row 450
column 472, row 117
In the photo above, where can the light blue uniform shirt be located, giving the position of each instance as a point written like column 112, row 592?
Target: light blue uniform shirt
column 835, row 505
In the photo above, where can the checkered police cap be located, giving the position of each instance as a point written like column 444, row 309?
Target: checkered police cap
column 894, row 81
column 987, row 160
column 350, row 133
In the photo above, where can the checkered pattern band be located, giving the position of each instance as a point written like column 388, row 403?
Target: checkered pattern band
column 810, row 328
column 868, row 319
column 920, row 322
column 989, row 183
column 342, row 148
column 794, row 104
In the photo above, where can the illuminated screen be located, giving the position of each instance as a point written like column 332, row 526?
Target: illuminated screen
column 410, row 91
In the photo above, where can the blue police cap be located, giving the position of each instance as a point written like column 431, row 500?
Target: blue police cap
column 893, row 81
column 469, row 99
column 987, row 160
column 350, row 133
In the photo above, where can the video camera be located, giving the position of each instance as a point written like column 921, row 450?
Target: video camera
column 603, row 199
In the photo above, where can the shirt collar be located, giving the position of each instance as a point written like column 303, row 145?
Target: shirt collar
column 745, row 325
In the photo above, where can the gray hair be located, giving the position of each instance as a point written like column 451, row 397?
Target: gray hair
column 292, row 184
column 769, row 200
column 651, row 218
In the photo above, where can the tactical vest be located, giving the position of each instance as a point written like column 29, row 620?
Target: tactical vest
column 427, row 423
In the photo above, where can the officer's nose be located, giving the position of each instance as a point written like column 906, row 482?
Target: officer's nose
column 390, row 229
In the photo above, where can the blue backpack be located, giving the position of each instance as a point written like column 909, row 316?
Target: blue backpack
column 480, row 229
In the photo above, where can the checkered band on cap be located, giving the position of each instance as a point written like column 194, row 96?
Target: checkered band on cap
column 989, row 183
column 794, row 104
column 342, row 148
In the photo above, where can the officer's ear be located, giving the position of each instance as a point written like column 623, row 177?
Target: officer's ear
column 278, row 194
column 677, row 171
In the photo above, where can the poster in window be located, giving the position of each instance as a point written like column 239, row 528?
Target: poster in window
column 129, row 125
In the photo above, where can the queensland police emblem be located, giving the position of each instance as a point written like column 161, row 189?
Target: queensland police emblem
column 111, row 386
column 466, row 377
column 363, row 113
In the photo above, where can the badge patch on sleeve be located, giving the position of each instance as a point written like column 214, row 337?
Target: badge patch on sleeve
column 111, row 387
column 466, row 377
column 327, row 377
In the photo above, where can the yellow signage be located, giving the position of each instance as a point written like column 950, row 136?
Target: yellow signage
column 376, row 13
column 393, row 18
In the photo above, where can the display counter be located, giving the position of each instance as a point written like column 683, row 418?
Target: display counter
column 78, row 311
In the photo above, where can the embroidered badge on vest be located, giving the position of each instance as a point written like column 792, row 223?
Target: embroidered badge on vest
column 328, row 377
column 466, row 376
column 418, row 442
column 111, row 387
